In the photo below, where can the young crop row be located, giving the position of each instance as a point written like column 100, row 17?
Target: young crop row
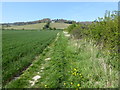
column 103, row 32
column 20, row 49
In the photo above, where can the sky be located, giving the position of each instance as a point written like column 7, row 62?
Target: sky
column 31, row 11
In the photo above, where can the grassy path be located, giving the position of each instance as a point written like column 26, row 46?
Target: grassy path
column 68, row 63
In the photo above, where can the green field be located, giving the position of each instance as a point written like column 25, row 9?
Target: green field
column 20, row 48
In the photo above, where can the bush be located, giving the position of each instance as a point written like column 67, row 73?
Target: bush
column 47, row 26
column 54, row 28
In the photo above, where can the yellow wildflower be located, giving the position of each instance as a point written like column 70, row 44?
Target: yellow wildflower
column 45, row 85
column 71, row 83
column 78, row 85
column 64, row 83
column 73, row 73
column 75, row 69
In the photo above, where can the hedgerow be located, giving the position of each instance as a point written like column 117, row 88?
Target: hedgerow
column 103, row 32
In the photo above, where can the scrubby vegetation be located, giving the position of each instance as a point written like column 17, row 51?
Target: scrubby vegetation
column 103, row 33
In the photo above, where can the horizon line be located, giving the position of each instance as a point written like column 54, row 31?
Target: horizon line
column 47, row 18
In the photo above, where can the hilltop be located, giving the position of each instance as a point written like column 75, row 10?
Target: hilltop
column 40, row 24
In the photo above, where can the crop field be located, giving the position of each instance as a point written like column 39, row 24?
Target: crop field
column 20, row 48
column 27, row 27
column 59, row 25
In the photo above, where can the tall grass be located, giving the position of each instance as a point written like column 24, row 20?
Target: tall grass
column 78, row 64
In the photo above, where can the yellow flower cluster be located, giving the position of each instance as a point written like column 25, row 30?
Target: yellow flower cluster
column 71, row 83
column 75, row 73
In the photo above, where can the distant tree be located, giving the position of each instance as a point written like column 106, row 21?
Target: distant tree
column 47, row 26
column 12, row 29
column 43, row 28
column 54, row 28
column 50, row 28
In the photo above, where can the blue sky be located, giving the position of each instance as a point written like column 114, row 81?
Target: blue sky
column 78, row 11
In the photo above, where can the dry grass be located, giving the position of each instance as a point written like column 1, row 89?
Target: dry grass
column 59, row 25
